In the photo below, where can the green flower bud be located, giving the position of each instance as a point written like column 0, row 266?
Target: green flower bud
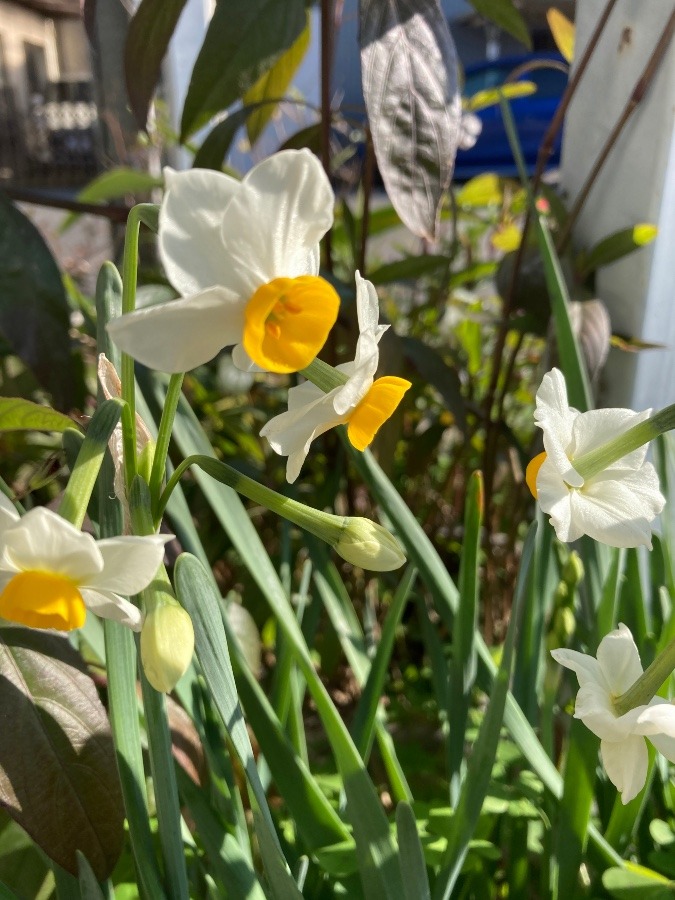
column 366, row 544
column 167, row 643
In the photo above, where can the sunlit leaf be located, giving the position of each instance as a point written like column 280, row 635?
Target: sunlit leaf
column 17, row 414
column 34, row 312
column 58, row 775
column 615, row 246
column 491, row 96
column 409, row 69
column 244, row 40
column 114, row 183
column 563, row 32
column 507, row 237
column 147, row 39
column 274, row 84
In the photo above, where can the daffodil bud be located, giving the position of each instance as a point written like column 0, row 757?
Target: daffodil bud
column 366, row 544
column 167, row 643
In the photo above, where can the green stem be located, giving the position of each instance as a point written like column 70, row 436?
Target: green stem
column 648, row 684
column 164, row 437
column 129, row 279
column 326, row 526
column 324, row 376
column 590, row 464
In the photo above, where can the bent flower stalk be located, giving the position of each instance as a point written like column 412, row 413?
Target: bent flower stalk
column 51, row 573
column 614, row 505
column 244, row 257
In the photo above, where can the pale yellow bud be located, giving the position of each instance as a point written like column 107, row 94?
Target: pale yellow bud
column 167, row 643
column 366, row 544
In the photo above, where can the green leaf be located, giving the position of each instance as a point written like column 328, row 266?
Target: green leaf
column 90, row 889
column 217, row 143
column 615, row 246
column 17, row 414
column 148, row 37
column 274, row 84
column 58, row 774
column 244, row 39
column 411, row 856
column 114, row 183
column 434, row 369
column 34, row 311
column 410, row 84
column 505, row 15
column 410, row 268
column 637, row 883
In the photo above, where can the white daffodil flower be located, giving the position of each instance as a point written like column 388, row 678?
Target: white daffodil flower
column 51, row 573
column 622, row 737
column 362, row 403
column 244, row 256
column 617, row 505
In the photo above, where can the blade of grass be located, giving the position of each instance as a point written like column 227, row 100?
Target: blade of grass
column 411, row 855
column 463, row 663
column 479, row 768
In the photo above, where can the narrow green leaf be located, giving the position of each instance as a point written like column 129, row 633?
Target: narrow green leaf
column 148, row 37
column 244, row 39
column 410, row 268
column 411, row 855
column 17, row 414
column 58, row 778
column 34, row 310
column 410, row 85
column 274, row 83
column 216, row 145
column 614, row 247
column 505, row 15
column 6, row 893
column 481, row 761
column 89, row 886
column 227, row 861
column 463, row 666
column 280, row 882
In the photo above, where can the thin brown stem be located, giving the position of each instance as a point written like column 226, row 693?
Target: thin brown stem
column 116, row 213
column 327, row 27
column 634, row 100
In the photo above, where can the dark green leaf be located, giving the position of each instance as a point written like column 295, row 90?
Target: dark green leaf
column 147, row 39
column 34, row 313
column 17, row 414
column 413, row 868
column 615, row 246
column 504, row 14
column 244, row 39
column 309, row 137
column 433, row 369
column 411, row 267
column 58, row 776
column 90, row 889
column 274, row 84
column 409, row 70
column 217, row 143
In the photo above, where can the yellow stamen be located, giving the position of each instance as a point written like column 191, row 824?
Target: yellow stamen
column 532, row 471
column 287, row 320
column 374, row 410
column 43, row 600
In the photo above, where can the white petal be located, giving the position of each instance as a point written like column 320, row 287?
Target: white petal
column 43, row 540
column 129, row 563
column 597, row 426
column 584, row 666
column 273, row 225
column 291, row 433
column 593, row 705
column 243, row 361
column 626, row 765
column 303, row 394
column 8, row 514
column 350, row 395
column 657, row 718
column 556, row 419
column 665, row 745
column 109, row 606
column 470, row 127
column 190, row 228
column 618, row 511
column 554, row 498
column 182, row 334
column 619, row 660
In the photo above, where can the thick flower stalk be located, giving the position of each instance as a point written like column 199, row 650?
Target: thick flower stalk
column 244, row 257
column 602, row 681
column 611, row 497
column 51, row 573
column 361, row 402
